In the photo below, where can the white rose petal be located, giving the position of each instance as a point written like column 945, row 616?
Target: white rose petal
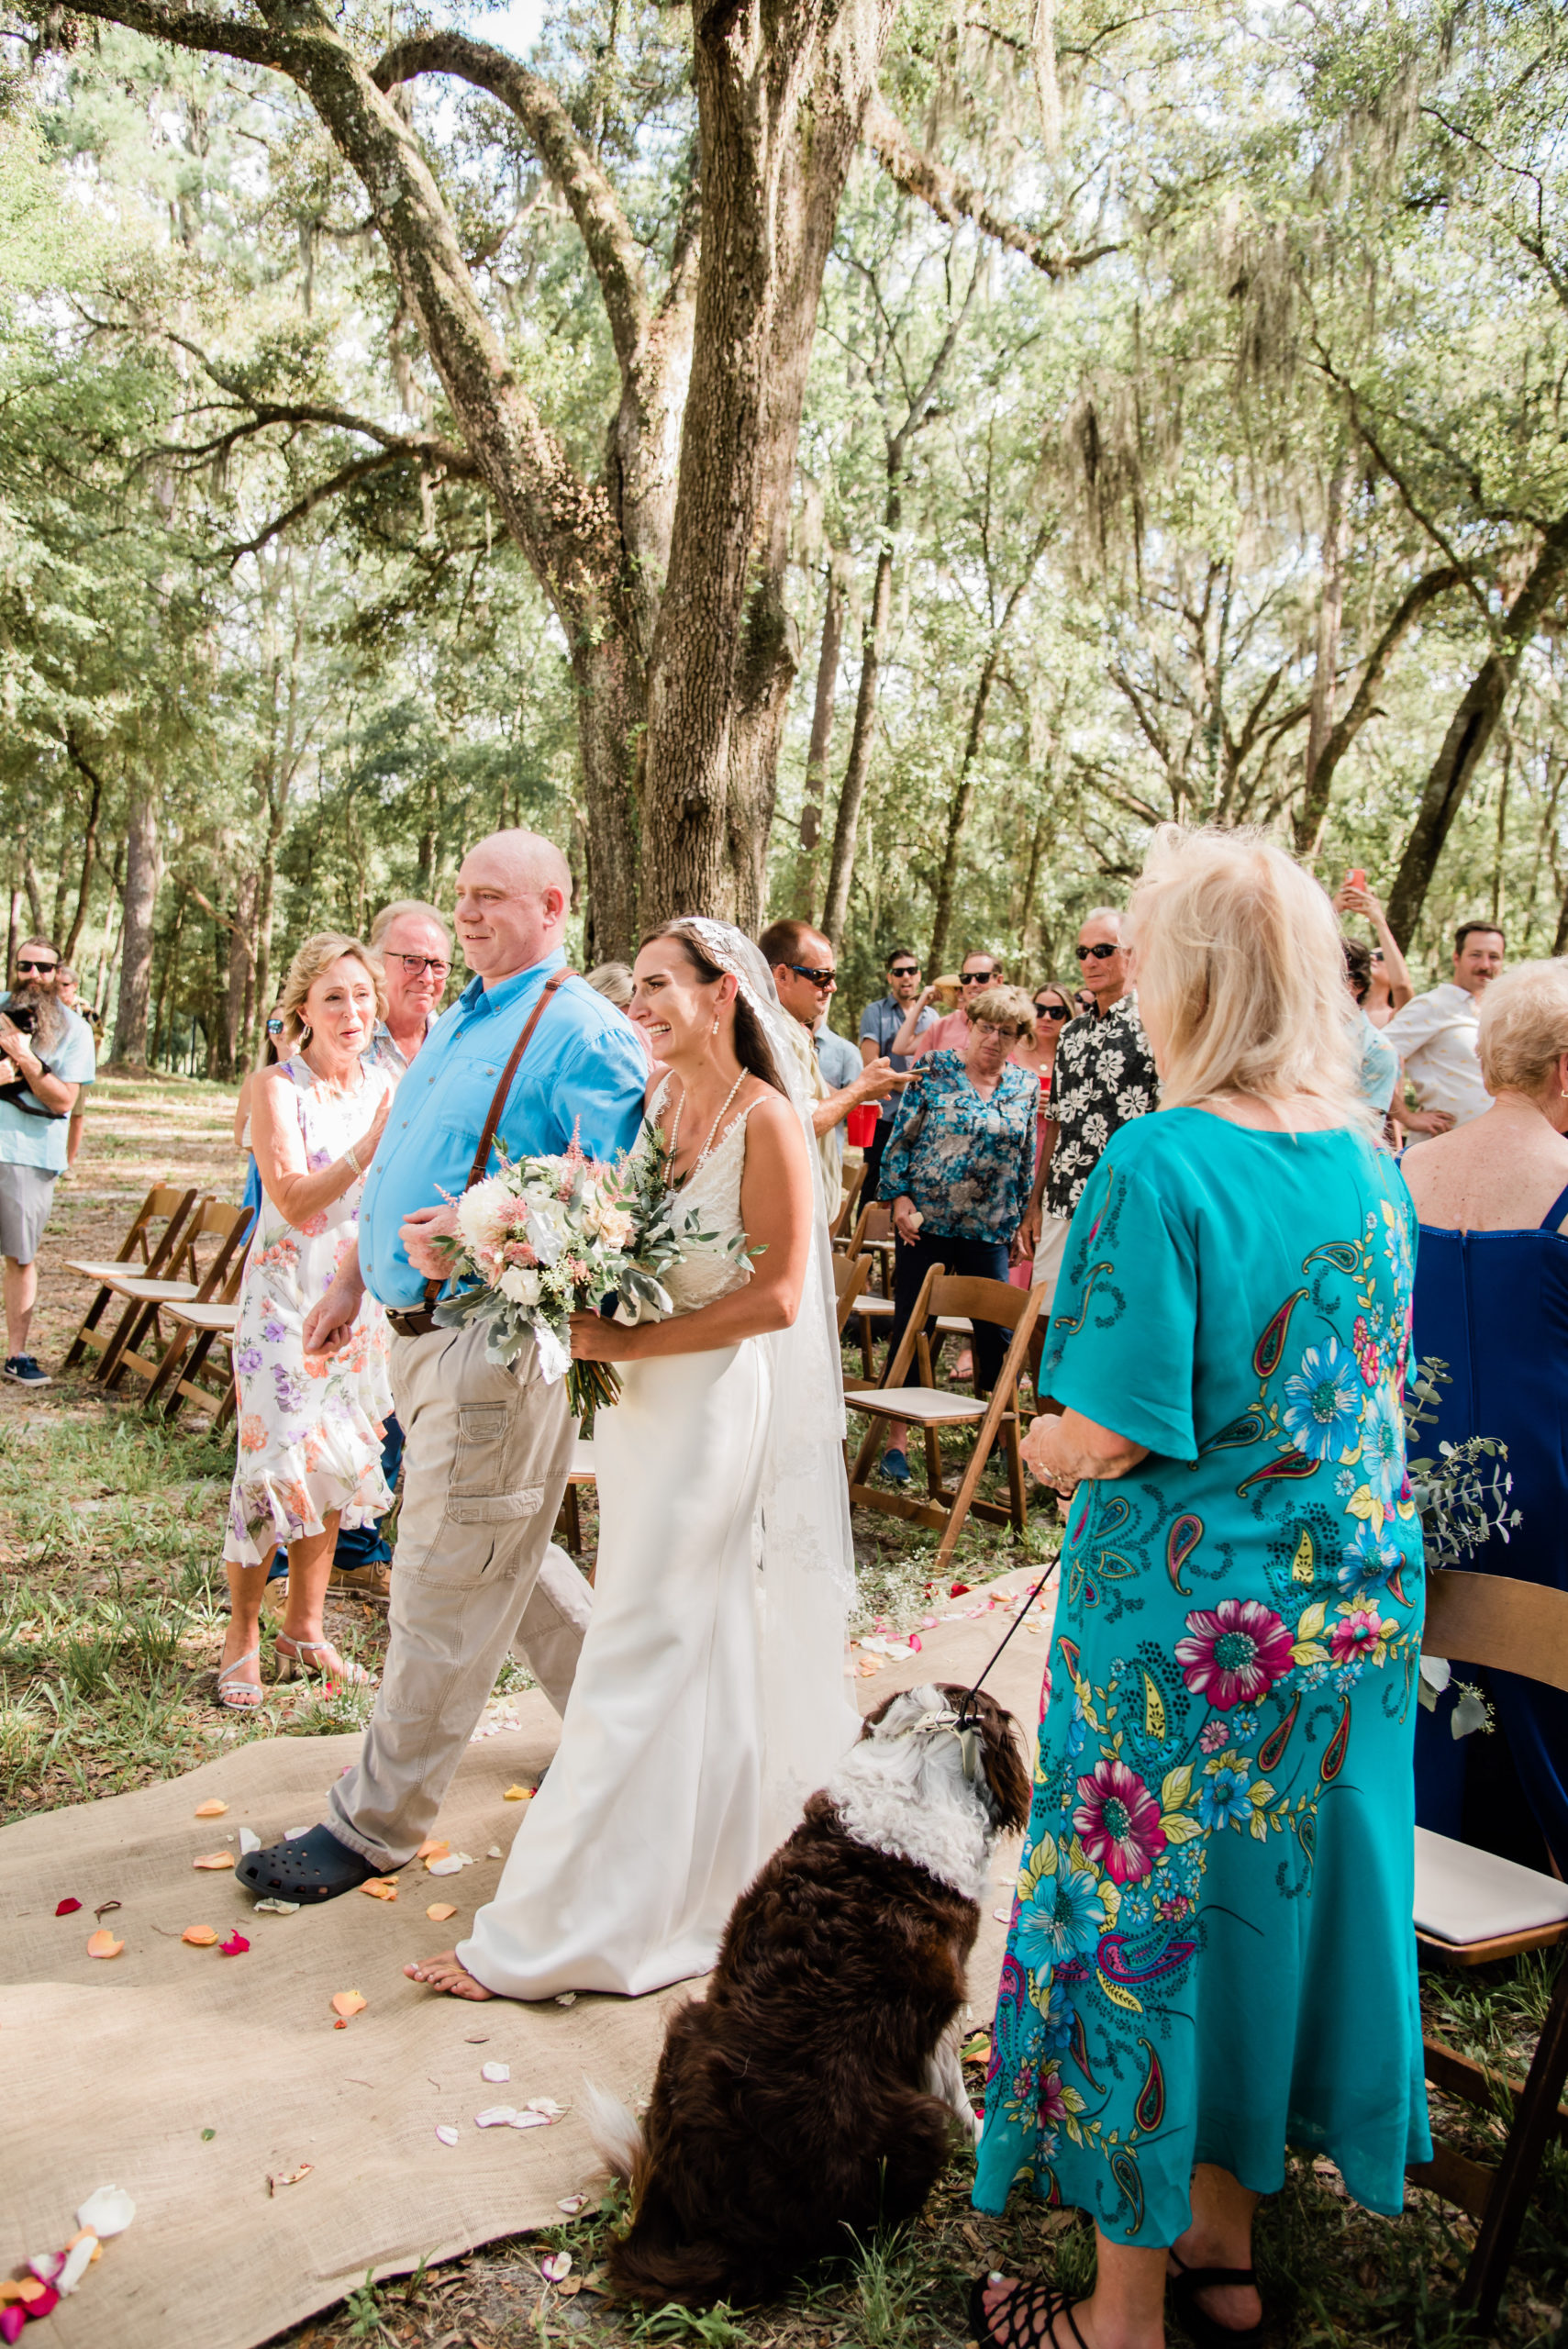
column 108, row 2212
column 76, row 2265
column 496, row 2074
column 496, row 2116
column 446, row 2132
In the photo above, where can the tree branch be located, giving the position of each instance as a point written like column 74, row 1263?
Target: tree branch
column 953, row 199
column 344, row 478
column 195, row 28
column 612, row 248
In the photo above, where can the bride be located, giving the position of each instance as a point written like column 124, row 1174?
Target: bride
column 709, row 1701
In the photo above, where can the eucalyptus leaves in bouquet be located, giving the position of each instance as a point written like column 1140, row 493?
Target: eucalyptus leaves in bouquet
column 1462, row 1495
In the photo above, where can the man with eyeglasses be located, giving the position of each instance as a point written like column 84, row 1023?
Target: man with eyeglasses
column 805, row 975
column 1103, row 1077
column 46, row 1057
column 416, row 950
column 880, row 1022
column 947, row 1033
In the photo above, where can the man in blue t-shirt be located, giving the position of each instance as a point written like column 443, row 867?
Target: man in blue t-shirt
column 880, row 1022
column 488, row 1449
column 47, row 1055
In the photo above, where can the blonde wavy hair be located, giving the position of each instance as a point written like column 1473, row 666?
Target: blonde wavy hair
column 1238, row 970
column 318, row 955
column 1524, row 1027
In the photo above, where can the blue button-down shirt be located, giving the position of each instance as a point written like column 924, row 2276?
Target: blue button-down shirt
column 584, row 1068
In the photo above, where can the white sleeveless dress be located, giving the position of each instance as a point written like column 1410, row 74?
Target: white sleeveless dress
column 648, row 1825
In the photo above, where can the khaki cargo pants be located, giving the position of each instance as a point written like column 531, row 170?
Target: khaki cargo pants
column 475, row 1574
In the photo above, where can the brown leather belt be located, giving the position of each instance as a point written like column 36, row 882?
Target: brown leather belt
column 410, row 1325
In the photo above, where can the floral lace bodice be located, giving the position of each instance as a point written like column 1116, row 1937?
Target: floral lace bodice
column 711, row 1268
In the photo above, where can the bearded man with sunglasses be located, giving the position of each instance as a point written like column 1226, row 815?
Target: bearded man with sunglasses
column 1103, row 1077
column 46, row 1057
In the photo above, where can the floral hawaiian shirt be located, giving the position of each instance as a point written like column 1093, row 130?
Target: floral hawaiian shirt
column 966, row 1160
column 1103, row 1076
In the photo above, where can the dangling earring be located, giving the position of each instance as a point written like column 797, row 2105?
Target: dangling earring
column 303, row 1033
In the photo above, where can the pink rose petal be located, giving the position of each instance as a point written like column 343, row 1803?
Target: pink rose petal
column 68, row 1908
column 235, row 1946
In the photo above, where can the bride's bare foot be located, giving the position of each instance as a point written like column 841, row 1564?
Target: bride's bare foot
column 444, row 1973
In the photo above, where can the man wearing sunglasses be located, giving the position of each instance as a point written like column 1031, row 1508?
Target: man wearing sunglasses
column 950, row 1033
column 805, row 975
column 880, row 1022
column 1103, row 1076
column 46, row 1057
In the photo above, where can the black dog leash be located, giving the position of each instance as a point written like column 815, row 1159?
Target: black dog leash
column 965, row 1713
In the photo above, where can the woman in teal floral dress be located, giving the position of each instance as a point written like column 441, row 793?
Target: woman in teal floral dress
column 1211, row 1955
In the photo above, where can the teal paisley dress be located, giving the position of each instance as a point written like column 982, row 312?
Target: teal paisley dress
column 1210, row 1953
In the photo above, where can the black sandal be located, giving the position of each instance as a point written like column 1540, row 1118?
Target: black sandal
column 313, row 1867
column 1038, row 2304
column 1202, row 2330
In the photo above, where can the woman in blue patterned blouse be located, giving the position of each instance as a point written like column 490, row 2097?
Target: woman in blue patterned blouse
column 957, row 1172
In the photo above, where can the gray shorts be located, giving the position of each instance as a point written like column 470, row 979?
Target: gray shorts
column 26, row 1193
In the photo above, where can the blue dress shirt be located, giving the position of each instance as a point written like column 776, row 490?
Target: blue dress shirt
column 584, row 1068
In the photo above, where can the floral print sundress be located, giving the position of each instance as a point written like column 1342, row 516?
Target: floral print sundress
column 309, row 1428
column 1210, row 1955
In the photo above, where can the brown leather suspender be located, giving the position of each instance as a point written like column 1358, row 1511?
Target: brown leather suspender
column 412, row 1325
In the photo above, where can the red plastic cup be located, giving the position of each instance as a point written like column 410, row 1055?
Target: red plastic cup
column 859, row 1126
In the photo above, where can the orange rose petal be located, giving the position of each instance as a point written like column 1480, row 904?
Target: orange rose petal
column 433, row 1849
column 379, row 1888
column 214, row 1860
column 439, row 1910
column 518, row 1793
column 199, row 1937
column 212, row 1808
column 349, row 2002
column 103, row 1945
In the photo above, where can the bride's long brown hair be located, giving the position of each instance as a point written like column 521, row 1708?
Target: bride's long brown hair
column 752, row 1048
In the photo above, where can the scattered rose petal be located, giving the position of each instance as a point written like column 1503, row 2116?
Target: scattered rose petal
column 465, row 1859
column 555, row 2266
column 248, row 1840
column 518, row 1793
column 526, row 2120
column 927, row 1622
column 433, row 1848
column 572, row 2204
column 958, row 1590
column 103, row 1945
column 277, row 1908
column 566, row 1998
column 12, row 2321
column 45, row 2269
column 340, row 2024
column 199, row 1936
column 916, row 1644
column 446, row 2132
column 211, row 1808
column 68, row 1908
column 235, row 1946
column 1002, row 1916
column 31, row 2287
column 214, row 1860
column 494, row 1853
column 379, row 1888
column 496, row 2074
column 443, row 1868
column 292, row 1834
column 107, row 2211
column 289, row 2176
column 495, row 2116
column 439, row 1910
column 77, row 2260
column 349, row 2002
column 545, row 2106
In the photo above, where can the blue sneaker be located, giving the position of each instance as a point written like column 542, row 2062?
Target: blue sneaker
column 896, row 1467
column 23, row 1369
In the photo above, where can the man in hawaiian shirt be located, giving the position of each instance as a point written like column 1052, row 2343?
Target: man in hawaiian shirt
column 1103, row 1076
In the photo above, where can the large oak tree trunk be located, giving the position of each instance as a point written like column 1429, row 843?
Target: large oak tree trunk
column 1470, row 732
column 852, row 791
column 142, row 871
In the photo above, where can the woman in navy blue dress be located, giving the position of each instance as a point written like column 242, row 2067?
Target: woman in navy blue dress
column 1491, row 1303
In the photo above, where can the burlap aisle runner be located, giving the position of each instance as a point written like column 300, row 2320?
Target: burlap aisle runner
column 115, row 2070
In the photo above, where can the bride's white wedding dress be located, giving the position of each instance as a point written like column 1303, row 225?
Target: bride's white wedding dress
column 650, row 1819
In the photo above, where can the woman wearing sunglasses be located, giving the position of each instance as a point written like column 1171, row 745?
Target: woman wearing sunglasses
column 1053, row 1007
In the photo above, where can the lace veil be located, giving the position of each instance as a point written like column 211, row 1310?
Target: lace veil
column 807, row 1558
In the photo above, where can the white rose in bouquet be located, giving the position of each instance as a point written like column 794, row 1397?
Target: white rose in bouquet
column 521, row 1284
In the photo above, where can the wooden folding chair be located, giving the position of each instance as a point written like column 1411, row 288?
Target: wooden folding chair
column 872, row 1237
column 196, row 1330
column 1471, row 1908
column 144, row 1251
column 933, row 1407
column 850, row 1274
column 228, row 1228
column 569, row 1523
column 854, row 1176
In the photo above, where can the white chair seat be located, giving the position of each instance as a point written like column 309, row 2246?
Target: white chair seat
column 155, row 1292
column 581, row 1471
column 207, row 1317
column 1464, row 1895
column 874, row 1308
column 924, row 1406
column 108, row 1268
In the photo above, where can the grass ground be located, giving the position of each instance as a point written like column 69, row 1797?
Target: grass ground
column 111, row 1623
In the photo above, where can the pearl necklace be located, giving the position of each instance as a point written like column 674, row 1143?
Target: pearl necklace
column 705, row 1152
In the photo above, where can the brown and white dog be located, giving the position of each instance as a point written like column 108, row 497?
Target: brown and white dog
column 808, row 2098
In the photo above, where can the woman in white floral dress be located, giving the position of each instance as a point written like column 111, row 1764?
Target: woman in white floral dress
column 310, row 1426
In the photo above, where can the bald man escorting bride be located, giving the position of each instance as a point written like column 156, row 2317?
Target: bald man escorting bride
column 488, row 1449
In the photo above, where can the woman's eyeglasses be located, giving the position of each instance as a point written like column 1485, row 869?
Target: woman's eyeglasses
column 1051, row 1011
column 1102, row 953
